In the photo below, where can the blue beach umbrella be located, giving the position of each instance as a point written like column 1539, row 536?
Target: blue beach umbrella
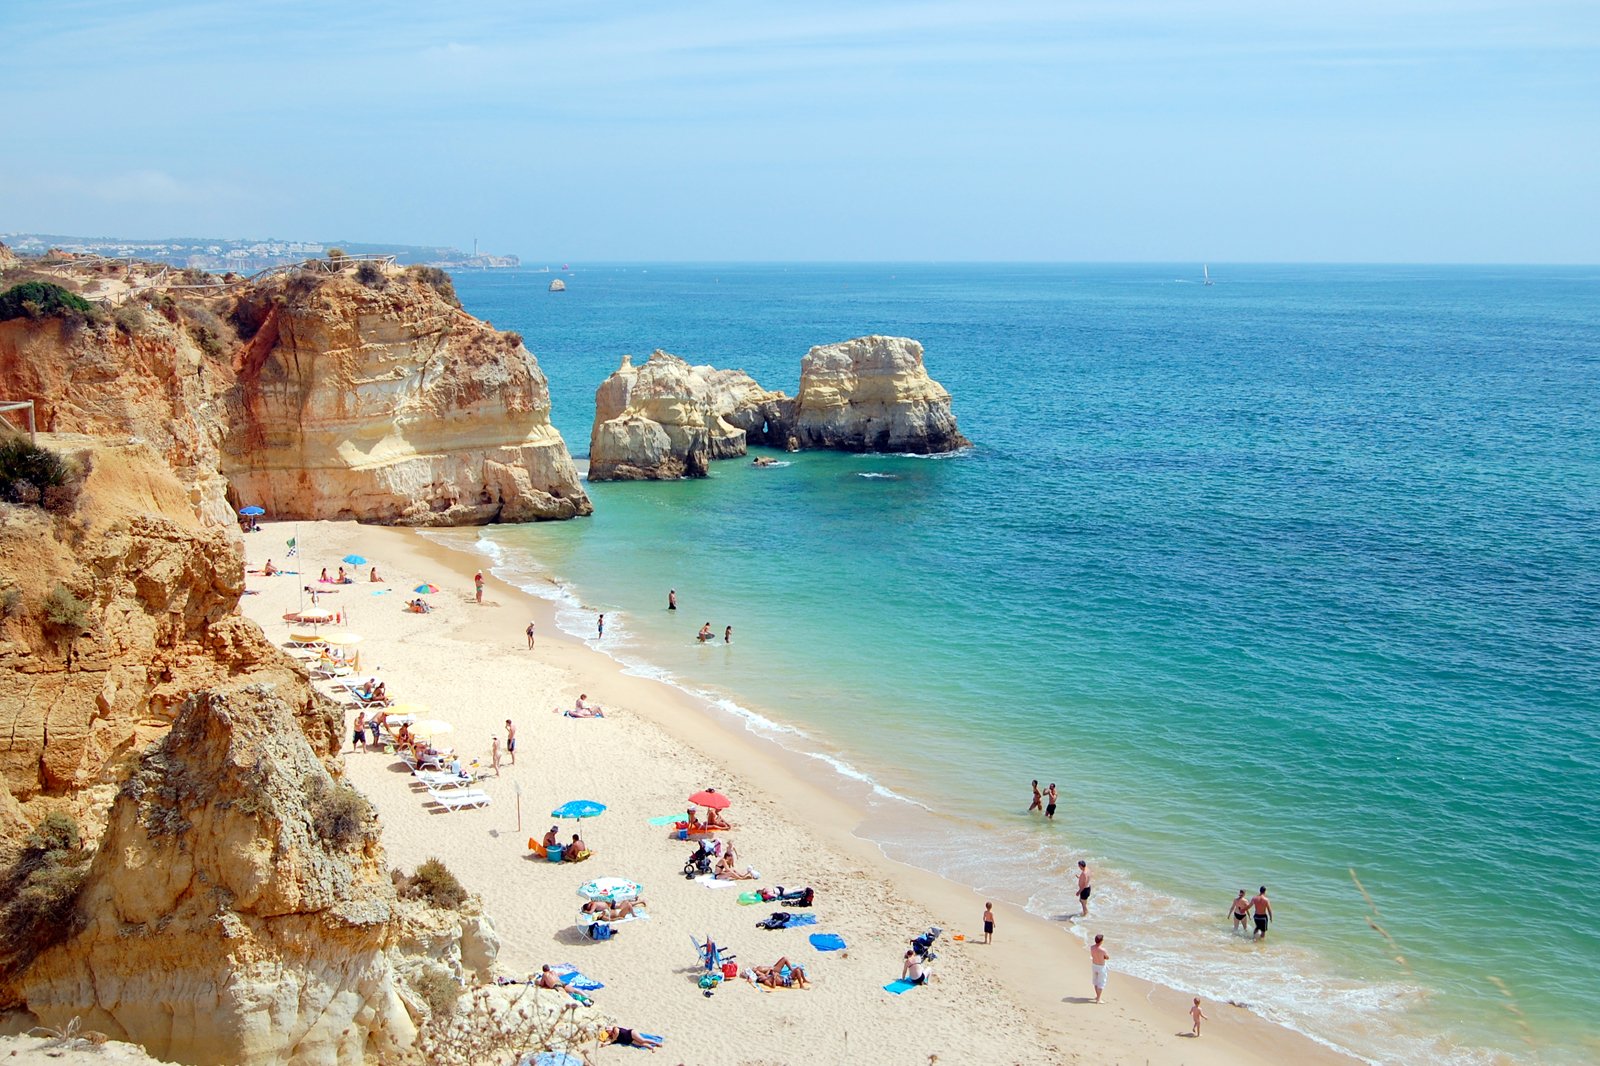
column 355, row 560
column 579, row 809
column 252, row 511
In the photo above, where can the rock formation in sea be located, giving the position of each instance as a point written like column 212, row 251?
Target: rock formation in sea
column 360, row 393
column 666, row 419
column 873, row 394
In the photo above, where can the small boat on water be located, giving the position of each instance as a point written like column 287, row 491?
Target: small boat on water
column 1205, row 272
column 557, row 285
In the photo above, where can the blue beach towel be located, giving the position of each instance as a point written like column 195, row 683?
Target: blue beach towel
column 897, row 987
column 648, row 1036
column 800, row 919
column 573, row 979
column 827, row 941
column 552, row 1058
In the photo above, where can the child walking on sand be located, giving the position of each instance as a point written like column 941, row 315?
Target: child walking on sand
column 1198, row 1015
column 988, row 923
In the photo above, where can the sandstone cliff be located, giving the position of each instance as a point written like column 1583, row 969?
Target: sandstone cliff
column 238, row 909
column 314, row 394
column 873, row 394
column 667, row 419
column 8, row 258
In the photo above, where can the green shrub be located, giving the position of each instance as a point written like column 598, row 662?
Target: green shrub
column 41, row 890
column 65, row 611
column 437, row 279
column 338, row 812
column 371, row 275
column 434, row 882
column 129, row 318
column 28, row 471
column 55, row 832
column 41, row 299
column 10, row 602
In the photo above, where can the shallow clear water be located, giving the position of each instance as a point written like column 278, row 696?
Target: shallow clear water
column 1278, row 578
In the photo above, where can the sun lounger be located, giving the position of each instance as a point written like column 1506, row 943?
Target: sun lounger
column 442, row 778
column 455, row 799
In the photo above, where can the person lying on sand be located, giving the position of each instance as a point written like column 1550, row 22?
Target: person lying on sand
column 547, row 978
column 781, row 974
column 628, row 1038
column 613, row 912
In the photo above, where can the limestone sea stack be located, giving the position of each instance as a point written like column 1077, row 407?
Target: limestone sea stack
column 873, row 394
column 665, row 419
column 390, row 404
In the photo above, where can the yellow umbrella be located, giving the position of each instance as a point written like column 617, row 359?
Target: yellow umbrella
column 342, row 639
column 430, row 727
column 413, row 709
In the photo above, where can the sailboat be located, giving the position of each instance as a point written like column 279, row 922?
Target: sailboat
column 1205, row 272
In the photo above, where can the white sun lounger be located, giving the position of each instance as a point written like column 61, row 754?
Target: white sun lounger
column 442, row 778
column 455, row 799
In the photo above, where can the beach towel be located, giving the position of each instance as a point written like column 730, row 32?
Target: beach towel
column 710, row 881
column 801, row 919
column 898, row 987
column 666, row 819
column 573, row 979
column 550, row 1058
column 827, row 941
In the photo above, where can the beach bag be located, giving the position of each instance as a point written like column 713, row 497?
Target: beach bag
column 600, row 931
column 778, row 920
column 801, row 898
column 730, row 970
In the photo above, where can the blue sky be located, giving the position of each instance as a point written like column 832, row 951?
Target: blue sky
column 1403, row 130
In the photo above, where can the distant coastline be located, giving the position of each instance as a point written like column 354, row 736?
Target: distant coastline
column 244, row 256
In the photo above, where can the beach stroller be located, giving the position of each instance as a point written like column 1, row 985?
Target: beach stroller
column 923, row 944
column 700, row 862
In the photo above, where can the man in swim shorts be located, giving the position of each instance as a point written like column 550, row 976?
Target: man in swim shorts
column 1098, row 958
column 1084, row 887
column 1262, row 906
column 511, row 741
column 1050, row 807
column 988, row 923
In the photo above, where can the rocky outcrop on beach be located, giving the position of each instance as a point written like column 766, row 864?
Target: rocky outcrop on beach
column 873, row 394
column 8, row 258
column 239, row 910
column 667, row 419
column 361, row 393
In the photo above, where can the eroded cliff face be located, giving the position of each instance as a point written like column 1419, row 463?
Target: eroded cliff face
column 313, row 394
column 666, row 419
column 238, row 909
column 873, row 394
column 386, row 403
column 159, row 591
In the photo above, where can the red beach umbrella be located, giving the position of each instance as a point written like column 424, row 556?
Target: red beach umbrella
column 711, row 798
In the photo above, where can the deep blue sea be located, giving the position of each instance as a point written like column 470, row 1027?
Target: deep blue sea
column 1293, row 580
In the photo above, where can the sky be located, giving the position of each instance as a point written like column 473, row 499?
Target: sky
column 981, row 130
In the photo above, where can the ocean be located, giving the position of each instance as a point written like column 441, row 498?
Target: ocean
column 1292, row 580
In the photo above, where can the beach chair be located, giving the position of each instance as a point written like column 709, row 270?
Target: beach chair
column 455, row 799
column 711, row 956
column 442, row 779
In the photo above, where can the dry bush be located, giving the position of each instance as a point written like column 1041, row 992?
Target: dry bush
column 339, row 813
column 41, row 890
column 371, row 275
column 434, row 882
column 436, row 279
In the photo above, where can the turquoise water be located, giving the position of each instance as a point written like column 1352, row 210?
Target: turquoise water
column 1281, row 577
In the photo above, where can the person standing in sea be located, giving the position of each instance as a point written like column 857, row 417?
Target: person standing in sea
column 1050, row 807
column 672, row 599
column 1262, row 906
column 600, row 628
column 1240, row 910
column 727, row 635
column 1084, row 888
column 1038, row 798
column 1098, row 959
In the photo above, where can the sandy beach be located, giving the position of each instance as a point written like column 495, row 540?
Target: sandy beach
column 1025, row 998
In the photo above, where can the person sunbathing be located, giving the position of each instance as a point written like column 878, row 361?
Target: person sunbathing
column 727, row 871
column 781, row 974
column 548, row 979
column 269, row 570
column 613, row 912
column 576, row 851
column 695, row 824
column 324, row 576
column 373, row 577
column 403, row 739
column 629, row 1038
column 714, row 819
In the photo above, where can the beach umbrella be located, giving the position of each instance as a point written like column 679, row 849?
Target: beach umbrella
column 711, row 798
column 341, row 639
column 430, row 727
column 252, row 511
column 611, row 889
column 426, row 589
column 355, row 560
column 317, row 615
column 579, row 809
